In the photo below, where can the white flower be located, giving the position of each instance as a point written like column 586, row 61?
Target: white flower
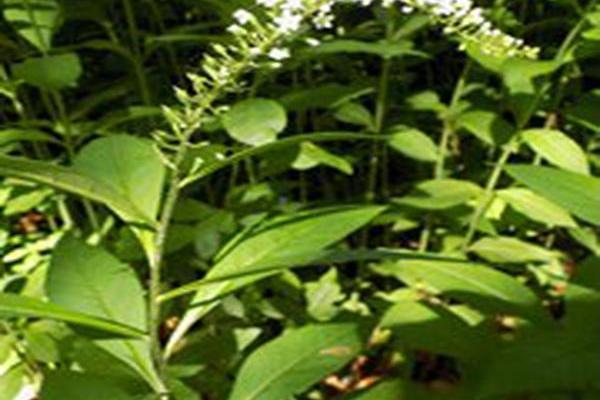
column 288, row 21
column 279, row 54
column 267, row 3
column 242, row 16
column 28, row 392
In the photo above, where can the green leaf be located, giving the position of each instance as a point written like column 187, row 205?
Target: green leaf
column 12, row 380
column 414, row 144
column 384, row 49
column 290, row 364
column 312, row 155
column 440, row 194
column 255, row 121
column 69, row 385
column 419, row 326
column 474, row 284
column 130, row 166
column 12, row 135
column 488, row 126
column 323, row 295
column 35, row 20
column 558, row 149
column 426, row 101
column 577, row 193
column 355, row 114
column 546, row 359
column 89, row 280
column 281, row 242
column 50, row 72
column 72, row 181
column 536, row 207
column 12, row 305
column 510, row 250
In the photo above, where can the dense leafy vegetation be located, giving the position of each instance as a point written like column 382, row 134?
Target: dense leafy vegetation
column 299, row 199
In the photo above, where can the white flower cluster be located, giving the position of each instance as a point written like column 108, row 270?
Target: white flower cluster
column 260, row 35
column 463, row 18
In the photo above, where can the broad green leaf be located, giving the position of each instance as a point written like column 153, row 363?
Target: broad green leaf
column 35, row 20
column 279, row 243
column 290, row 364
column 312, row 155
column 577, row 193
column 128, row 165
column 72, row 181
column 255, row 121
column 89, row 280
column 536, row 207
column 13, row 305
column 70, row 385
column 414, row 144
column 487, row 126
column 558, row 149
column 475, row 284
column 440, row 194
column 50, row 72
column 510, row 250
column 384, row 49
column 418, row 326
column 559, row 357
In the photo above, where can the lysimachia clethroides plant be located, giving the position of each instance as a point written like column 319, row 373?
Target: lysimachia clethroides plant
column 441, row 289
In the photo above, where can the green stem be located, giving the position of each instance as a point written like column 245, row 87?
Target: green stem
column 139, row 61
column 380, row 111
column 488, row 195
column 447, row 133
column 487, row 198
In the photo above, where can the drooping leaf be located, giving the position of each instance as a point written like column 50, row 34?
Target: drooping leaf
column 50, row 72
column 130, row 166
column 536, row 207
column 575, row 192
column 510, row 250
column 12, row 305
column 72, row 181
column 558, row 149
column 475, row 284
column 293, row 362
column 255, row 121
column 487, row 126
column 439, row 194
column 312, row 155
column 414, row 144
column 282, row 242
column 89, row 280
column 355, row 114
column 35, row 20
